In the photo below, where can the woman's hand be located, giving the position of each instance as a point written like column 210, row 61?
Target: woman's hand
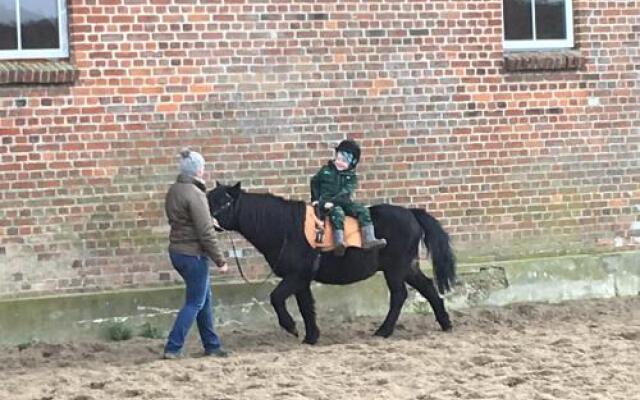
column 216, row 224
column 223, row 268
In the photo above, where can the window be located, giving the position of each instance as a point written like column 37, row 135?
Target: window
column 537, row 24
column 33, row 29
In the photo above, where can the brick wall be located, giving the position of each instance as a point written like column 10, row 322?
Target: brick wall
column 512, row 163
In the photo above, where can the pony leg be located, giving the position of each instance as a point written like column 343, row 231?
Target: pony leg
column 398, row 295
column 425, row 286
column 285, row 288
column 304, row 297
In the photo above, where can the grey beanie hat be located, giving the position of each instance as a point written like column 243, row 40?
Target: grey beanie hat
column 190, row 162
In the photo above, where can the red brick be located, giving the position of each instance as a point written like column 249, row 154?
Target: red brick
column 497, row 145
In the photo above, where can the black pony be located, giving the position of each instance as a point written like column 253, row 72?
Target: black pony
column 275, row 227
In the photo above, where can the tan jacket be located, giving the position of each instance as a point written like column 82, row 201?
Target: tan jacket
column 192, row 231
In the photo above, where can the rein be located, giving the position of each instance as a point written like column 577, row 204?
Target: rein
column 235, row 255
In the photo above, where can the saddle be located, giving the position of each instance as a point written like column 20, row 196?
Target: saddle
column 319, row 233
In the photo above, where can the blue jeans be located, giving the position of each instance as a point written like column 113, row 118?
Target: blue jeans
column 194, row 270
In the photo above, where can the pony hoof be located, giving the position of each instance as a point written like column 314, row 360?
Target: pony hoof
column 292, row 331
column 381, row 333
column 312, row 337
column 446, row 326
column 310, row 341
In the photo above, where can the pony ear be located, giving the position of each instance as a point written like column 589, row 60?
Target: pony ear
column 218, row 183
column 235, row 190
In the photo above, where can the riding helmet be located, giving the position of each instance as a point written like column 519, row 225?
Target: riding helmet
column 350, row 146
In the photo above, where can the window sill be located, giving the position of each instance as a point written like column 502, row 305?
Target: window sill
column 36, row 72
column 526, row 61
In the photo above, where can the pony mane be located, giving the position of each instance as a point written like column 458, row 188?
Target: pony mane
column 270, row 196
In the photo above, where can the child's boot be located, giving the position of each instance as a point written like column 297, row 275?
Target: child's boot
column 369, row 240
column 338, row 243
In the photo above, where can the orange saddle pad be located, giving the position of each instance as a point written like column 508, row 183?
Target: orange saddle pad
column 352, row 236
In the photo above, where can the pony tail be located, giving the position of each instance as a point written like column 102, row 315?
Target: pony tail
column 437, row 242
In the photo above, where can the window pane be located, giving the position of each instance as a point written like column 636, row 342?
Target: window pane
column 550, row 19
column 39, row 24
column 517, row 20
column 8, row 31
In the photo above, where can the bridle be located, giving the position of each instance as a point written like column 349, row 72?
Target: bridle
column 223, row 208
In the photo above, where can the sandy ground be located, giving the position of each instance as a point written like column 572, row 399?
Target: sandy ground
column 573, row 350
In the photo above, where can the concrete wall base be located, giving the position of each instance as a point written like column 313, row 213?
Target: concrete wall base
column 88, row 316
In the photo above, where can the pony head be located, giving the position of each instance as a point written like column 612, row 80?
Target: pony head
column 222, row 200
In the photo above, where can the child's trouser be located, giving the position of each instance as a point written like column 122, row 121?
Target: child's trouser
column 339, row 211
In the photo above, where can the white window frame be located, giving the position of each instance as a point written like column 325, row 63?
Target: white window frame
column 542, row 44
column 61, row 52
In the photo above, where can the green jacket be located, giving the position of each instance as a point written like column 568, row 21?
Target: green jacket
column 332, row 185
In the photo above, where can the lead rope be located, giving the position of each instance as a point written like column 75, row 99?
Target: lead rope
column 235, row 255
